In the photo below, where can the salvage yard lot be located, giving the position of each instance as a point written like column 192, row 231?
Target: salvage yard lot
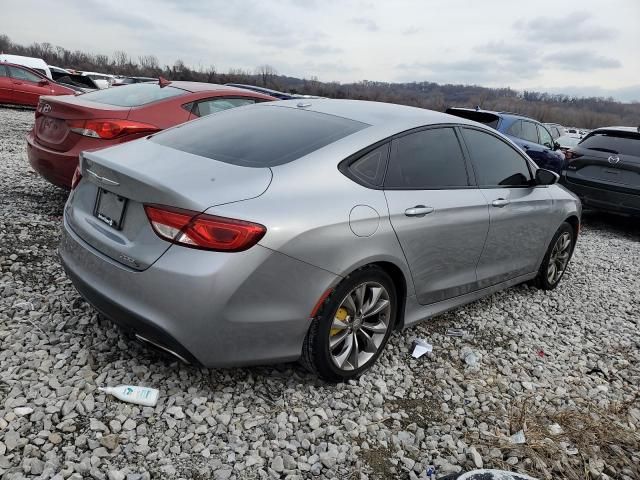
column 569, row 357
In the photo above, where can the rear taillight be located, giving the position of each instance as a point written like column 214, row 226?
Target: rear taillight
column 206, row 232
column 77, row 176
column 108, row 129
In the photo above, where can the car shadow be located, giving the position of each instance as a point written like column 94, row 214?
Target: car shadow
column 621, row 225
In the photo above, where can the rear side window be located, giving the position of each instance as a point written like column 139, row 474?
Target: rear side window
column 133, row 95
column 369, row 168
column 621, row 143
column 497, row 164
column 3, row 71
column 427, row 159
column 261, row 136
column 211, row 105
column 515, row 129
column 545, row 137
column 529, row 132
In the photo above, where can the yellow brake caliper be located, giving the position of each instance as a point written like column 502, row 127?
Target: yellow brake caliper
column 341, row 315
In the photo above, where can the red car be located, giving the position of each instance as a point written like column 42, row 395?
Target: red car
column 23, row 86
column 66, row 126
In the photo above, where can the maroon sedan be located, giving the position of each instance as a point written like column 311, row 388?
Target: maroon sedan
column 66, row 126
column 23, row 86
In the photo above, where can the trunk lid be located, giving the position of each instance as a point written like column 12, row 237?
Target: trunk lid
column 51, row 129
column 142, row 172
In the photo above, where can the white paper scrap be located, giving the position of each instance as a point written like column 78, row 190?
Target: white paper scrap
column 420, row 347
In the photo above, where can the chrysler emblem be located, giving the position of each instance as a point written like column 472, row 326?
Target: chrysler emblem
column 614, row 159
column 46, row 108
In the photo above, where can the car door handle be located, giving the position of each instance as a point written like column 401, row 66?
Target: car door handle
column 418, row 211
column 500, row 202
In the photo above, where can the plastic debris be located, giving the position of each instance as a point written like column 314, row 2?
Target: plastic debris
column 541, row 353
column 420, row 347
column 134, row 394
column 456, row 332
column 431, row 472
column 517, row 438
column 484, row 474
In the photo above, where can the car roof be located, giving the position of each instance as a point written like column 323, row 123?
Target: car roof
column 374, row 113
column 617, row 129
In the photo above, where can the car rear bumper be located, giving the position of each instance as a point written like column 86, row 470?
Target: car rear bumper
column 55, row 167
column 602, row 197
column 210, row 308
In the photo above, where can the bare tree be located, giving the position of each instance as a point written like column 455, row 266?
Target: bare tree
column 266, row 73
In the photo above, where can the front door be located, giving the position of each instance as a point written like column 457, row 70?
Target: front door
column 26, row 86
column 518, row 209
column 440, row 219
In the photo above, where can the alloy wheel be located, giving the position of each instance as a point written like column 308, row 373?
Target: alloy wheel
column 559, row 258
column 359, row 326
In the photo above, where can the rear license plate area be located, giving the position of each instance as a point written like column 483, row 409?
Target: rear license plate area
column 110, row 208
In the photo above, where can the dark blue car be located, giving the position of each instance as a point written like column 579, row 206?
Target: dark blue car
column 530, row 135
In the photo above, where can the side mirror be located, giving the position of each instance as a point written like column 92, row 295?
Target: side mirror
column 43, row 82
column 556, row 146
column 546, row 177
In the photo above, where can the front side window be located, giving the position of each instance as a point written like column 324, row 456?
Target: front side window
column 497, row 164
column 20, row 74
column 529, row 132
column 428, row 159
column 545, row 138
column 214, row 105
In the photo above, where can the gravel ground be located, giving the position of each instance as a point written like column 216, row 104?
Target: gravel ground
column 564, row 366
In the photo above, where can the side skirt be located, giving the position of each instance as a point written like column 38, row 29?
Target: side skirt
column 415, row 313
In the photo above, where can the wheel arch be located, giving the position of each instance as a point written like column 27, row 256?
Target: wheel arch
column 574, row 221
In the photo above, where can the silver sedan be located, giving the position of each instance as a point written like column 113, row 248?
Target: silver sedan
column 308, row 230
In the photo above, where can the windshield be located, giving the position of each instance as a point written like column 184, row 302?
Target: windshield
column 625, row 143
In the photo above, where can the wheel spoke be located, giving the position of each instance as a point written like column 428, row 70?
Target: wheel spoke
column 369, row 345
column 360, row 293
column 379, row 327
column 341, row 359
column 338, row 325
column 376, row 292
column 551, row 273
column 337, row 339
column 355, row 352
column 349, row 304
column 382, row 304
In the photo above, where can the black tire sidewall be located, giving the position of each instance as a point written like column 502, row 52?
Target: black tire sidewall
column 543, row 281
column 323, row 362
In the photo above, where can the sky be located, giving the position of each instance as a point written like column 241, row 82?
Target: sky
column 586, row 47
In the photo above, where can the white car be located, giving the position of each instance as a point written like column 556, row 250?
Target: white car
column 36, row 64
column 102, row 80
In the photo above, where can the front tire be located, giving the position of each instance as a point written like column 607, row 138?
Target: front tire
column 353, row 326
column 557, row 258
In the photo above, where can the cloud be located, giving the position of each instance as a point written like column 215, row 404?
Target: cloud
column 366, row 23
column 319, row 49
column 573, row 28
column 581, row 61
column 412, row 30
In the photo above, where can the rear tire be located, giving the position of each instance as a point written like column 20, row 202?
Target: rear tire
column 353, row 326
column 556, row 260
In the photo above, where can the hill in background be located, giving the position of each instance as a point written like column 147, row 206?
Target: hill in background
column 586, row 112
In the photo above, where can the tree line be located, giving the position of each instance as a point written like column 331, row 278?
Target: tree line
column 584, row 112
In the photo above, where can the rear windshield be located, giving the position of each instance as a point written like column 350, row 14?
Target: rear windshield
column 133, row 95
column 263, row 136
column 489, row 119
column 623, row 143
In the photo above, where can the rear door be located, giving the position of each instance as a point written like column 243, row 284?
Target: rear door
column 607, row 157
column 440, row 219
column 6, row 86
column 26, row 89
column 518, row 210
